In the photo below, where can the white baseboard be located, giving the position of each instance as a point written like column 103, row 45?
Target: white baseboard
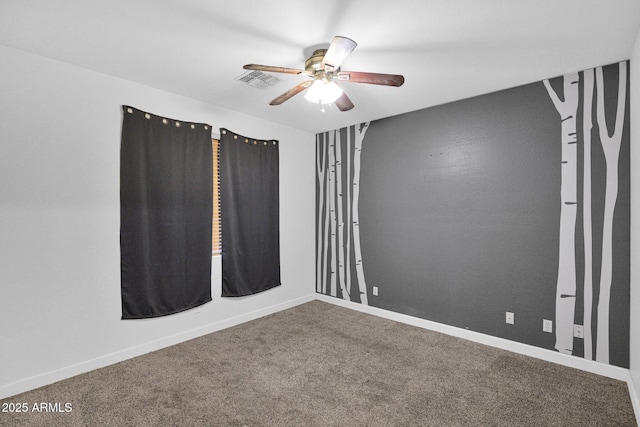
column 51, row 377
column 633, row 394
column 614, row 372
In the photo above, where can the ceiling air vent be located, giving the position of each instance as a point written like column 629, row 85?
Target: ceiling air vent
column 258, row 79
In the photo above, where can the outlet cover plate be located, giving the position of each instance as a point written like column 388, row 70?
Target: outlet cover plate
column 375, row 291
column 509, row 318
column 578, row 331
column 547, row 325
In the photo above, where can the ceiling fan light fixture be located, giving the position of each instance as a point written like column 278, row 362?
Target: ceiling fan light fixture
column 323, row 67
column 323, row 92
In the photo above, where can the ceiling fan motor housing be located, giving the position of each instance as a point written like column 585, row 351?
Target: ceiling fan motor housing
column 314, row 62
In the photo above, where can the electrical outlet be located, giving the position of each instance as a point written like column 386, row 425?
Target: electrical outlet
column 509, row 318
column 547, row 325
column 578, row 331
column 375, row 291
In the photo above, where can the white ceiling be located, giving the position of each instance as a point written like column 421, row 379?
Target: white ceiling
column 446, row 49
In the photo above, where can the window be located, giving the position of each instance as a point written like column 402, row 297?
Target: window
column 216, row 242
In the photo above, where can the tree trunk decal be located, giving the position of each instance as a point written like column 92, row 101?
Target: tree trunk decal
column 340, row 219
column 611, row 148
column 587, row 125
column 611, row 143
column 359, row 137
column 566, row 283
column 339, row 256
column 325, row 233
column 332, row 211
column 321, row 165
column 347, row 249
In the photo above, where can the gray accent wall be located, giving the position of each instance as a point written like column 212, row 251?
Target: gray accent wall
column 459, row 209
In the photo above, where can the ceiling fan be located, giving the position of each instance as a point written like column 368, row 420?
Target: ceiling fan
column 323, row 66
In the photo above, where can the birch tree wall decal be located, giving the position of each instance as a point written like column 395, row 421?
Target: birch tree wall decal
column 325, row 234
column 339, row 254
column 566, row 283
column 359, row 137
column 611, row 148
column 587, row 125
column 321, row 168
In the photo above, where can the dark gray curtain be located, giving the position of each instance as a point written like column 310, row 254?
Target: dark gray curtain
column 249, row 214
column 166, row 202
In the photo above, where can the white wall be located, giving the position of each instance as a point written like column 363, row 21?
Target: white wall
column 634, row 357
column 60, row 302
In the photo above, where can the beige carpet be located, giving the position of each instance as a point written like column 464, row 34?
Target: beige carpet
column 322, row 365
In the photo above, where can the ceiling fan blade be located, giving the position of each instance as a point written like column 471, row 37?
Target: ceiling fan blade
column 344, row 103
column 370, row 78
column 339, row 49
column 291, row 92
column 273, row 69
